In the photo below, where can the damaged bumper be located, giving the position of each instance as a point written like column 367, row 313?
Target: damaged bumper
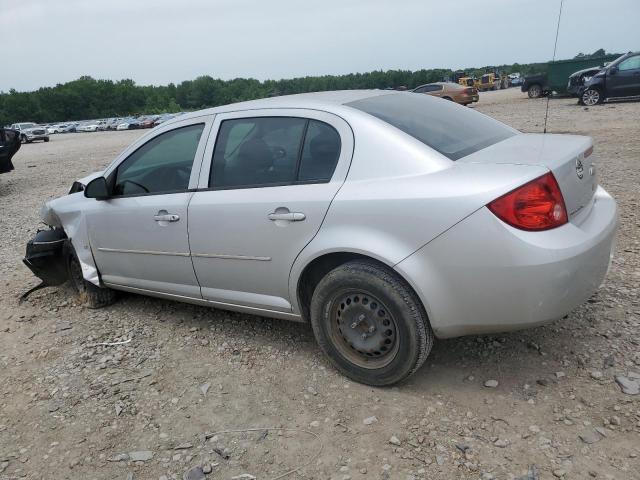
column 46, row 256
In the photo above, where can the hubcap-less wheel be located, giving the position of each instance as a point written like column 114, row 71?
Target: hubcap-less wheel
column 363, row 330
column 591, row 97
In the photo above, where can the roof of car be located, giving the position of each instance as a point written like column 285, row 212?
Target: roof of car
column 314, row 100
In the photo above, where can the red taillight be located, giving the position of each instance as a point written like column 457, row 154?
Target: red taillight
column 537, row 205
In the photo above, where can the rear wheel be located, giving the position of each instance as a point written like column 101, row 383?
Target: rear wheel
column 591, row 96
column 534, row 91
column 46, row 139
column 93, row 296
column 370, row 323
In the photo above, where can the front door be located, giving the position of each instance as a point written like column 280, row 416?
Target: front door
column 266, row 191
column 139, row 236
column 626, row 81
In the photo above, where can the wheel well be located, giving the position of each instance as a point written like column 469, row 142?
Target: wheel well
column 318, row 268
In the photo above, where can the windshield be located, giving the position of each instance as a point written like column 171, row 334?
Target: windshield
column 450, row 129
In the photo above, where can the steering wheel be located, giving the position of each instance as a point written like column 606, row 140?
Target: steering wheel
column 146, row 190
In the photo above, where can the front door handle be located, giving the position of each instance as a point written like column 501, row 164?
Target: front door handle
column 287, row 216
column 167, row 217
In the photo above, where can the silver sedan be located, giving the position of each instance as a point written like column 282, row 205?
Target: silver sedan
column 384, row 219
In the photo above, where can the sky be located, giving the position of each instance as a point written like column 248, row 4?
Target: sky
column 46, row 42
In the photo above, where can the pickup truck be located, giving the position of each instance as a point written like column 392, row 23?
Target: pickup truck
column 30, row 132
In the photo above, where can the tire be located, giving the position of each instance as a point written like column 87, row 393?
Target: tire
column 23, row 139
column 534, row 91
column 46, row 139
column 591, row 97
column 370, row 323
column 93, row 297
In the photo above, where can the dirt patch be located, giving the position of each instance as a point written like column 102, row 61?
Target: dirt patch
column 150, row 407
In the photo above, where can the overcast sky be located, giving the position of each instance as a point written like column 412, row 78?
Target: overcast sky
column 160, row 41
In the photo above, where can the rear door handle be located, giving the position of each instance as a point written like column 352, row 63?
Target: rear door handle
column 167, row 217
column 288, row 216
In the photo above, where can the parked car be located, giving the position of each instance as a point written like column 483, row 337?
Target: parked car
column 9, row 144
column 449, row 91
column 619, row 79
column 88, row 127
column 578, row 79
column 383, row 218
column 163, row 118
column 113, row 123
column 148, row 121
column 102, row 125
column 127, row 124
column 30, row 132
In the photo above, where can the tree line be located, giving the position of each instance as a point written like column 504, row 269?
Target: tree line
column 88, row 98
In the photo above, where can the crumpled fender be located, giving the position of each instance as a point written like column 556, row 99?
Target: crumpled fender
column 69, row 213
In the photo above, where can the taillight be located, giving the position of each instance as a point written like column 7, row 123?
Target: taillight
column 537, row 205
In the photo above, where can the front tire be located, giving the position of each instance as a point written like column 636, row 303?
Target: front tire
column 370, row 323
column 24, row 139
column 46, row 139
column 534, row 91
column 93, row 297
column 591, row 96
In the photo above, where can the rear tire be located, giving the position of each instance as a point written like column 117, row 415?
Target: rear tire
column 92, row 296
column 46, row 139
column 370, row 323
column 534, row 91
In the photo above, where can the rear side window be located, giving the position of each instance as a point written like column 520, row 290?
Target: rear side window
column 270, row 151
column 450, row 129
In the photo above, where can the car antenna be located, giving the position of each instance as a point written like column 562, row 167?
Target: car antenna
column 555, row 47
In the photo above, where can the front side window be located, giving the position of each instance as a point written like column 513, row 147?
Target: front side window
column 269, row 151
column 161, row 165
column 632, row 63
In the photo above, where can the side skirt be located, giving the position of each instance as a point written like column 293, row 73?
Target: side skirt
column 209, row 303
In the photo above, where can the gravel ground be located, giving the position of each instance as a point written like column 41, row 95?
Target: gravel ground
column 536, row 404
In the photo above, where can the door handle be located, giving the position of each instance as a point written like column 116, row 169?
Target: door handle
column 168, row 217
column 287, row 216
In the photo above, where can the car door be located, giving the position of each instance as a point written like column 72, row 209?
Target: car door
column 139, row 235
column 625, row 82
column 264, row 191
column 9, row 145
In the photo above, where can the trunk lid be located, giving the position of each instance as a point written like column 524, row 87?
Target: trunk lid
column 569, row 157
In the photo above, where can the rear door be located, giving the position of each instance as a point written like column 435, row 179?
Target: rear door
column 264, row 191
column 626, row 81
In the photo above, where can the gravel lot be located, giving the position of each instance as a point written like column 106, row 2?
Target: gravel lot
column 150, row 409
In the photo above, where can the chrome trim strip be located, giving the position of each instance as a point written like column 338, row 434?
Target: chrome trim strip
column 210, row 303
column 231, row 257
column 145, row 252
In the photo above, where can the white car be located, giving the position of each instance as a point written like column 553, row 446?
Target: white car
column 87, row 127
column 123, row 126
column 57, row 128
column 382, row 218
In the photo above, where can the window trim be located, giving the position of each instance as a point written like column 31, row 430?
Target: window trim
column 296, row 181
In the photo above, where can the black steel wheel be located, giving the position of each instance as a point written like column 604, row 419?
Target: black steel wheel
column 370, row 323
column 534, row 91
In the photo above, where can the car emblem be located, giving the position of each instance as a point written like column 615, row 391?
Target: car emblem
column 579, row 168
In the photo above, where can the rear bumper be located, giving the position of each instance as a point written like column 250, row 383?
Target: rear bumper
column 483, row 276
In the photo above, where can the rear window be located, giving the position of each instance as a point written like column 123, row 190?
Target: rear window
column 448, row 128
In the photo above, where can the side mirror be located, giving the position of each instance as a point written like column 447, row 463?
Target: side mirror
column 613, row 70
column 97, row 188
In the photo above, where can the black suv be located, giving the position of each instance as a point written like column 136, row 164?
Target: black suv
column 619, row 79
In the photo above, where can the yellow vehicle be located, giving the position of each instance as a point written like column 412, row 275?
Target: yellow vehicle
column 487, row 82
column 466, row 81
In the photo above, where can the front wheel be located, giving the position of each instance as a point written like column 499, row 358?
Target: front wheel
column 534, row 91
column 46, row 139
column 93, row 296
column 370, row 323
column 24, row 139
column 591, row 96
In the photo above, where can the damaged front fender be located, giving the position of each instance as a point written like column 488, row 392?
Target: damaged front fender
column 68, row 213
